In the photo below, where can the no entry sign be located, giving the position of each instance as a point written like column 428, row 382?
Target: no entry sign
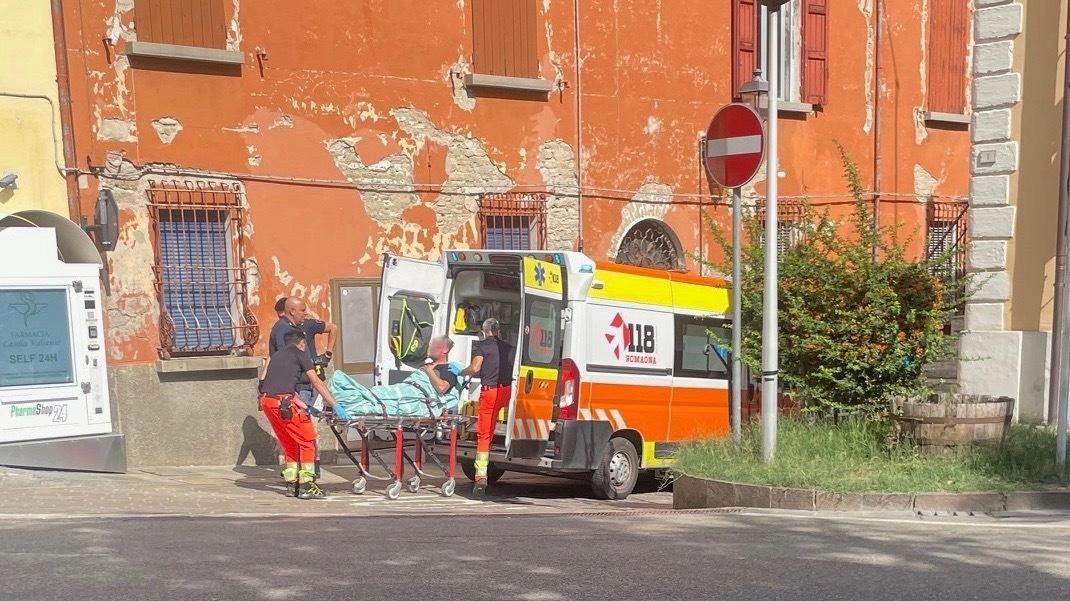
column 735, row 145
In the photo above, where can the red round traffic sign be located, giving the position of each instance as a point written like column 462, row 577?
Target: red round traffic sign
column 735, row 145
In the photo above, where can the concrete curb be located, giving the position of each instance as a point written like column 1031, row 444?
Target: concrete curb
column 699, row 493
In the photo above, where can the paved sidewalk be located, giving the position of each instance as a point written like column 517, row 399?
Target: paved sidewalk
column 258, row 490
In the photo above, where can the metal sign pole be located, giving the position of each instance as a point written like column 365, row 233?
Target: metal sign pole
column 737, row 314
column 1064, row 402
column 770, row 327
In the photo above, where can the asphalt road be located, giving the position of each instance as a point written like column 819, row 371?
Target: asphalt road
column 646, row 556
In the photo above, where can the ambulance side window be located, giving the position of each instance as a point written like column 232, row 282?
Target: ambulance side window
column 700, row 348
column 542, row 329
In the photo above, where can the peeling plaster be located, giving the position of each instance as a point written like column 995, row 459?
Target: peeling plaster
column 167, row 128
column 119, row 130
column 924, row 184
column 234, row 37
column 245, row 128
column 379, row 181
column 920, row 131
column 653, row 124
column 282, row 120
column 252, row 276
column 469, row 170
column 557, row 165
column 651, row 201
column 454, row 77
column 283, row 277
column 866, row 8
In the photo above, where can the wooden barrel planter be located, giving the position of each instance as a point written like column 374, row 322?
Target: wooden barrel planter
column 950, row 423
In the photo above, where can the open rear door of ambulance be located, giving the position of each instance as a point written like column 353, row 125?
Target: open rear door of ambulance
column 411, row 311
column 539, row 357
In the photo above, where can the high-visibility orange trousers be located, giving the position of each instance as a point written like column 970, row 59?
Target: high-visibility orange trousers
column 297, row 435
column 491, row 401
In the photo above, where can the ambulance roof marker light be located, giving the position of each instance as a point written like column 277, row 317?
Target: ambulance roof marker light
column 453, row 257
column 586, row 268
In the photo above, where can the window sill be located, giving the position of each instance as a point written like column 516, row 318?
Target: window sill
column 198, row 364
column 502, row 82
column 799, row 108
column 946, row 118
column 184, row 53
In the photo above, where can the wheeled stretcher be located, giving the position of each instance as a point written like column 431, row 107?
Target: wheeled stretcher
column 402, row 413
column 425, row 430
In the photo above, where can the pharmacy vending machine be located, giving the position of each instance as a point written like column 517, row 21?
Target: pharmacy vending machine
column 55, row 410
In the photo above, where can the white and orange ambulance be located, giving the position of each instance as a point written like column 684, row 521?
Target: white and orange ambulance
column 615, row 365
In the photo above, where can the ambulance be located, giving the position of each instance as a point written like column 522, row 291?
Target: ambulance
column 614, row 365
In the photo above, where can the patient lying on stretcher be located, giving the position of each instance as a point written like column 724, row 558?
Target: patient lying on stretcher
column 431, row 390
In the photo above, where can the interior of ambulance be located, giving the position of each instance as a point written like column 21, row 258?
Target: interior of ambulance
column 472, row 295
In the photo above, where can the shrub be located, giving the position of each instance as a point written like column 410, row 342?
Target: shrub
column 856, row 327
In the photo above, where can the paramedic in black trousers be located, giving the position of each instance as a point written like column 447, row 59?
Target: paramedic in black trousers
column 492, row 360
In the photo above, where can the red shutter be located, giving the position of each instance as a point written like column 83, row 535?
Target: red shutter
column 505, row 38
column 947, row 48
column 815, row 44
column 198, row 23
column 744, row 42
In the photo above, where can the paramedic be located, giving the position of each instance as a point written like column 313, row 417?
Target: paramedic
column 492, row 360
column 288, row 414
column 292, row 313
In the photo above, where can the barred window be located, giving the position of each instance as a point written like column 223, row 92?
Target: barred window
column 789, row 229
column 200, row 276
column 945, row 239
column 513, row 221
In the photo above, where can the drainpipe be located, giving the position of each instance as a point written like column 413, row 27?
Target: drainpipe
column 879, row 71
column 1059, row 317
column 63, row 81
column 579, row 126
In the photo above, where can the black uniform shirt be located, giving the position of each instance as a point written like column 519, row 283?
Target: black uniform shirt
column 497, row 362
column 286, row 370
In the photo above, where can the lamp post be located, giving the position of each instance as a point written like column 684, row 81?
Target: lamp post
column 770, row 325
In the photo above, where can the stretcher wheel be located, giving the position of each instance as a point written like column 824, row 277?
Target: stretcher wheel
column 449, row 487
column 413, row 484
column 360, row 485
column 394, row 490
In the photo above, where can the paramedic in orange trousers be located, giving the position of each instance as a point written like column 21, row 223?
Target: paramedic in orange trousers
column 492, row 363
column 289, row 416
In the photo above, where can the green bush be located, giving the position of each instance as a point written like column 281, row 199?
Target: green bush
column 854, row 329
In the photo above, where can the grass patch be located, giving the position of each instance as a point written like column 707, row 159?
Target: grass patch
column 853, row 457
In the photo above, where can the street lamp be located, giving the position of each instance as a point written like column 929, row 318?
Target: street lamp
column 770, row 324
column 752, row 90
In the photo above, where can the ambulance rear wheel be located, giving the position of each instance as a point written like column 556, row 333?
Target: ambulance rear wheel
column 615, row 477
column 494, row 473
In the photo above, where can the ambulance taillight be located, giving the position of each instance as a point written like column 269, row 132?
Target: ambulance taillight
column 568, row 382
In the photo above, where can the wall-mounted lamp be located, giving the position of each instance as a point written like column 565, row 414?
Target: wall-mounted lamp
column 9, row 182
column 105, row 229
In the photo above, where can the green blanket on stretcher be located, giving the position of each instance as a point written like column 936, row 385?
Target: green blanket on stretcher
column 415, row 396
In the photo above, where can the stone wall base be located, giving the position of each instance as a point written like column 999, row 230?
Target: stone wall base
column 194, row 418
column 1013, row 364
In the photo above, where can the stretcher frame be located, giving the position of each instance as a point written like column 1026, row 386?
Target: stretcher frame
column 427, row 428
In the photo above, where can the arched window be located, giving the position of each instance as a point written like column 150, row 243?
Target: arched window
column 650, row 243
